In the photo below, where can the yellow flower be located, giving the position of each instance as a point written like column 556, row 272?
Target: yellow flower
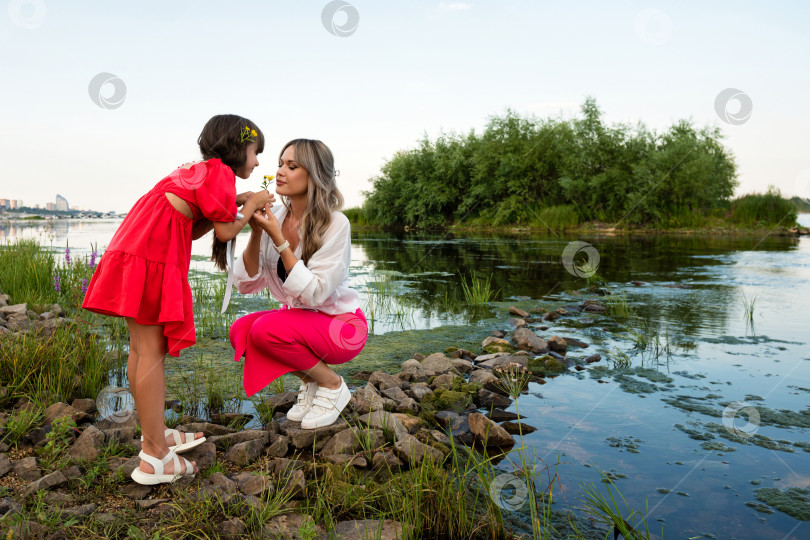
column 253, row 132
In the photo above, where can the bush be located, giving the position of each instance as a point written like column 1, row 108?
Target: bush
column 768, row 209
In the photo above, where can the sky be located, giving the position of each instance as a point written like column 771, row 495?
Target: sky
column 371, row 78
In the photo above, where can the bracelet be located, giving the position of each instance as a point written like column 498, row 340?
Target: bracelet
column 283, row 246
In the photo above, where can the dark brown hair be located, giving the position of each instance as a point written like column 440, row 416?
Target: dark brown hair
column 222, row 138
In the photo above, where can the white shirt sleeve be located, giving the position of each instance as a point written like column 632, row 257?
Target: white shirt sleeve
column 244, row 283
column 313, row 283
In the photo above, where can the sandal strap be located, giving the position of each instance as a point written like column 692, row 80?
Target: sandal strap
column 156, row 463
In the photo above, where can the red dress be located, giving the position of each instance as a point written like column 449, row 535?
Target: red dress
column 143, row 274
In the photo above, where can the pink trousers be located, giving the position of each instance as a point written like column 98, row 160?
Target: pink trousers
column 283, row 340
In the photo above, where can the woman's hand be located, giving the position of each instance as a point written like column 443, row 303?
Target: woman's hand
column 259, row 200
column 242, row 198
column 267, row 220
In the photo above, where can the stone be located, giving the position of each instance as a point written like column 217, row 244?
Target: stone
column 488, row 432
column 517, row 312
column 593, row 306
column 347, row 459
column 460, row 430
column 73, row 471
column 279, row 446
column 88, row 445
column 383, row 381
column 288, row 526
column 203, row 455
column 122, row 435
column 45, row 327
column 130, row 465
column 126, row 418
column 488, row 400
column 438, row 363
column 445, row 418
column 483, row 377
column 418, row 391
column 492, row 340
column 282, row 467
column 484, row 357
column 135, row 491
column 49, row 481
column 367, row 528
column 78, row 511
column 352, row 440
column 516, row 323
column 499, row 333
column 16, row 309
column 18, row 324
column 284, row 401
column 516, row 429
column 438, row 436
column 593, row 358
column 207, row 428
column 148, row 504
column 236, row 420
column 410, row 450
column 575, row 342
column 244, row 453
column 527, row 340
column 551, row 316
column 411, row 423
column 232, row 528
column 5, row 464
column 9, row 507
column 504, row 360
column 223, row 483
column 223, row 442
column 85, row 405
column 395, row 393
column 384, row 421
column 252, row 484
column 27, row 469
column 366, row 399
column 295, row 484
column 462, row 366
column 443, row 381
column 499, row 415
column 557, row 344
column 305, row 438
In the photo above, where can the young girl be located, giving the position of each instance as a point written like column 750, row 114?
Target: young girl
column 301, row 251
column 143, row 275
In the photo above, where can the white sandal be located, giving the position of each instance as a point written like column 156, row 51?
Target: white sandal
column 181, row 446
column 159, row 477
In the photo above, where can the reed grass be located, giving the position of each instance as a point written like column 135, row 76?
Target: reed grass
column 208, row 293
column 749, row 306
column 605, row 509
column 206, row 389
column 479, row 290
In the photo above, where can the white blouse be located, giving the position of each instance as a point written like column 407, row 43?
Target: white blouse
column 320, row 285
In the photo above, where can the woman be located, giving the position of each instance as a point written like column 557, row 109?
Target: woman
column 301, row 251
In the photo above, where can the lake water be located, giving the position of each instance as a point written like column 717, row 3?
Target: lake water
column 673, row 455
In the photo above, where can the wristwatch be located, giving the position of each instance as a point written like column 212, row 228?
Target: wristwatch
column 283, row 246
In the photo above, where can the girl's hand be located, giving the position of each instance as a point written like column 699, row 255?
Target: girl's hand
column 242, row 198
column 260, row 199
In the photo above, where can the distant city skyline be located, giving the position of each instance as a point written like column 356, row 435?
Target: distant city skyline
column 103, row 99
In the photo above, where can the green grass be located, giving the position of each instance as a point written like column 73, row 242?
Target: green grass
column 764, row 209
column 478, row 291
column 555, row 218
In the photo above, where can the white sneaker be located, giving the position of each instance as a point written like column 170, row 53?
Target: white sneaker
column 327, row 406
column 306, row 393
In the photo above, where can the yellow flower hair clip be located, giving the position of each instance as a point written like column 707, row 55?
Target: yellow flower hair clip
column 247, row 134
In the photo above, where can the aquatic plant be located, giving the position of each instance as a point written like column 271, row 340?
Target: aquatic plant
column 749, row 304
column 605, row 509
column 478, row 291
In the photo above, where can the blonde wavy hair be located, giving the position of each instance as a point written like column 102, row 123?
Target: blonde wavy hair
column 323, row 196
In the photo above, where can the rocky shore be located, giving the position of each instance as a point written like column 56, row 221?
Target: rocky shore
column 393, row 423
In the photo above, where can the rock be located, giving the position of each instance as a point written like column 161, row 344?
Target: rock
column 122, row 435
column 419, row 390
column 223, row 442
column 383, row 381
column 445, row 418
column 443, row 381
column 295, row 485
column 232, row 528
column 499, row 415
column 366, row 399
column 482, row 377
column 411, row 451
column 49, row 481
column 484, row 357
column 58, row 498
column 9, row 507
column 527, row 340
column 16, row 309
column 353, row 440
column 148, row 504
column 279, row 446
column 252, row 484
column 347, row 459
column 135, row 491
column 492, row 340
column 18, row 324
column 384, row 421
column 367, row 528
column 487, row 400
column 504, row 360
column 463, row 354
column 45, row 327
column 130, row 465
column 593, row 306
column 551, row 316
column 557, row 344
column 462, row 366
column 5, row 465
column 438, row 363
column 78, row 511
column 288, row 526
column 517, row 312
column 439, row 436
column 562, row 312
column 72, row 472
column 208, row 429
column 305, row 438
column 575, row 342
column 88, row 444
column 223, row 483
column 282, row 467
column 499, row 333
column 27, row 469
column 85, row 405
column 488, row 432
column 395, row 393
column 126, row 418
column 593, row 358
column 283, row 402
column 235, row 420
column 516, row 429
column 245, row 452
column 411, row 423
column 516, row 323
column 204, row 455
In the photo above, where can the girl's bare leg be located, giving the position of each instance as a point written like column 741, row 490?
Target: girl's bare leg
column 322, row 374
column 150, row 391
